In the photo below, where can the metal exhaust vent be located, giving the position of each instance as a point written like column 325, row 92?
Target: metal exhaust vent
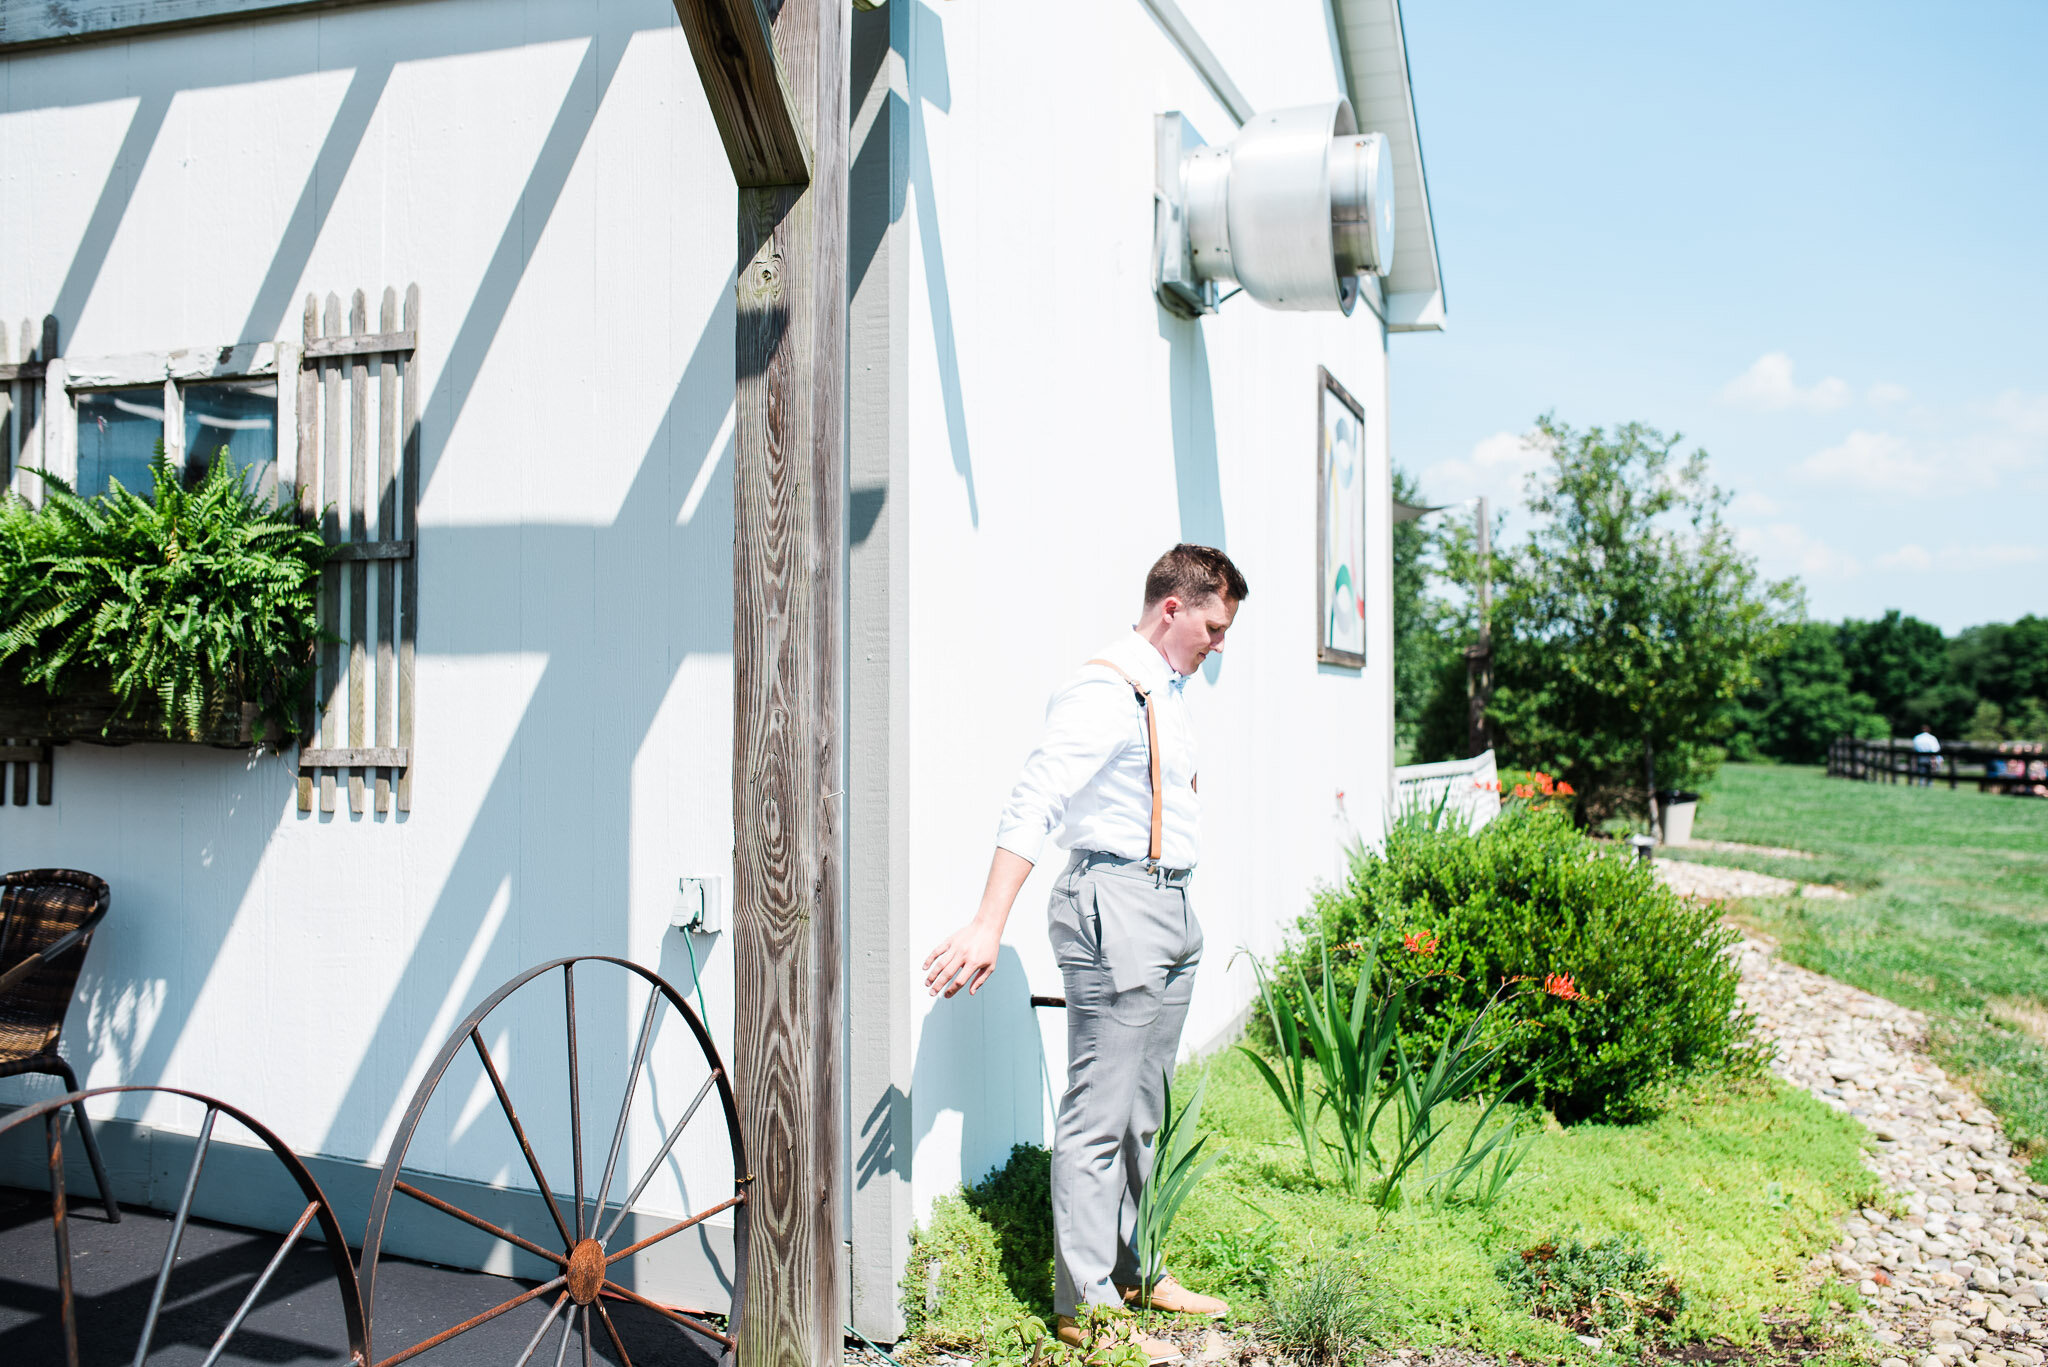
column 1293, row 210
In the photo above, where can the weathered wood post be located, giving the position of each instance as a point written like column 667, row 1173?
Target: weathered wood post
column 777, row 88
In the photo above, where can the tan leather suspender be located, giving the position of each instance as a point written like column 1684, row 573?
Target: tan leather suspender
column 1152, row 748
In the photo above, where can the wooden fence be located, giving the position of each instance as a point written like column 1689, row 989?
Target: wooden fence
column 2015, row 766
column 1459, row 784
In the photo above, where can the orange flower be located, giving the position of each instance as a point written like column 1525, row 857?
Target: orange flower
column 1419, row 942
column 1524, row 790
column 1565, row 790
column 1546, row 783
column 1487, row 785
column 1561, row 985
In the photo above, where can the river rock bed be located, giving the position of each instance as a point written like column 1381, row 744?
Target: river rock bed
column 1957, row 1271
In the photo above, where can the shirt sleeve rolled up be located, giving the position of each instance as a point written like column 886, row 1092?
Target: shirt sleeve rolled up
column 1086, row 725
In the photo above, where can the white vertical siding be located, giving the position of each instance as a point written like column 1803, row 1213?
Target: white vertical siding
column 1064, row 431
column 549, row 175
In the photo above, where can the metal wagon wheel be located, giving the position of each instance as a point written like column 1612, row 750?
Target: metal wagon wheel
column 586, row 1281
column 317, row 1208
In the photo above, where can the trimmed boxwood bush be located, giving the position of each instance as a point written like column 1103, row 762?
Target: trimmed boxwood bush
column 1528, row 897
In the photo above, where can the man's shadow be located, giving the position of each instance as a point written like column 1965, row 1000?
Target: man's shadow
column 981, row 1069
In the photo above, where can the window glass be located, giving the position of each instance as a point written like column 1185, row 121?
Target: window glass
column 118, row 430
column 239, row 415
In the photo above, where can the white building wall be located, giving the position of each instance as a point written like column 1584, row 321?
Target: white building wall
column 548, row 174
column 1064, row 430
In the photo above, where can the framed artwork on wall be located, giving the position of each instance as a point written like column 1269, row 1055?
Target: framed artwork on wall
column 1340, row 524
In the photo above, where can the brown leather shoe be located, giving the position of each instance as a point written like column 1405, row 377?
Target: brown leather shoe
column 1171, row 1296
column 1074, row 1335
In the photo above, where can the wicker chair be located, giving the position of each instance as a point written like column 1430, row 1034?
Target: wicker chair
column 47, row 918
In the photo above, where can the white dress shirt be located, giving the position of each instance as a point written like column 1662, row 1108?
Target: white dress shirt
column 1090, row 779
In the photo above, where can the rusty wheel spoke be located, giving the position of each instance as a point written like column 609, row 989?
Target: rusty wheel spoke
column 575, row 1094
column 547, row 1192
column 611, row 1330
column 472, row 1322
column 541, row 1333
column 677, row 1228
column 53, row 1134
column 611, row 1162
column 669, row 1313
column 675, row 1133
column 428, row 1199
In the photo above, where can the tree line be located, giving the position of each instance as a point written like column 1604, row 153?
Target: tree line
column 1635, row 645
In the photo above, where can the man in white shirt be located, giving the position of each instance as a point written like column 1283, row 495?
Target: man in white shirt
column 1115, row 779
column 1926, row 750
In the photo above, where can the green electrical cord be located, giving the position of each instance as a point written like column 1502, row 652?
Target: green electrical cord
column 872, row 1344
column 690, row 944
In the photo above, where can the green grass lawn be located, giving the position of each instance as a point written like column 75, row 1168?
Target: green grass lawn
column 1735, row 1188
column 1951, row 915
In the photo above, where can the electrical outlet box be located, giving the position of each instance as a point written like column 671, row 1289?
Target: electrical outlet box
column 699, row 905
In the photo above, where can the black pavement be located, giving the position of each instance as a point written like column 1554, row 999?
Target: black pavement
column 299, row 1320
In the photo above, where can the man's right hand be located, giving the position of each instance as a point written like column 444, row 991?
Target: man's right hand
column 967, row 956
column 963, row 959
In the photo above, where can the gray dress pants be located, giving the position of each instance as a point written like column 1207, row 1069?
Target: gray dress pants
column 1127, row 946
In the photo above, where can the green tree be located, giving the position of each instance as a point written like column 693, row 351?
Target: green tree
column 1802, row 702
column 1423, row 636
column 1896, row 660
column 1628, row 621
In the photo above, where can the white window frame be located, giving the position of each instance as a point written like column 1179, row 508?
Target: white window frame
column 66, row 377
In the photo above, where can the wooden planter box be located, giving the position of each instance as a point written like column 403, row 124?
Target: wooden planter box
column 29, row 713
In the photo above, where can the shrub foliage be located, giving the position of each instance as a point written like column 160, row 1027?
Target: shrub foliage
column 1647, row 994
column 985, row 1257
column 187, row 603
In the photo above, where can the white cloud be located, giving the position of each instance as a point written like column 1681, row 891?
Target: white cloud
column 1907, row 557
column 1785, row 548
column 1749, row 503
column 2025, row 415
column 1881, row 395
column 1496, row 467
column 1768, row 385
column 1972, row 557
column 1872, row 460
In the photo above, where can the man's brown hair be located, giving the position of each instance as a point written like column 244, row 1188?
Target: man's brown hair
column 1191, row 574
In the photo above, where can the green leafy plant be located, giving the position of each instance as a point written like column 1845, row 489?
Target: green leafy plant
column 1241, row 1260
column 186, row 604
column 1177, row 1166
column 1015, row 1201
column 1365, row 1072
column 1026, row 1342
column 1323, row 1316
column 1612, row 1286
column 1348, row 1045
column 952, row 1288
column 1528, row 897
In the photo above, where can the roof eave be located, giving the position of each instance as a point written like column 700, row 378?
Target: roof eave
column 1374, row 51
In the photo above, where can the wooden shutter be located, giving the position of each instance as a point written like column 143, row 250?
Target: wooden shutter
column 358, row 472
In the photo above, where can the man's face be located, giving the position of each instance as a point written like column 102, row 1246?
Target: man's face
column 1193, row 630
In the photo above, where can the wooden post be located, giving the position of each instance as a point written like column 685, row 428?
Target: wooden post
column 766, row 80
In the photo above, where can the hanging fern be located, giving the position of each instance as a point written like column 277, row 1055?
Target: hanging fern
column 187, row 604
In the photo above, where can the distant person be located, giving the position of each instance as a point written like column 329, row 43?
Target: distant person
column 1113, row 780
column 1926, row 754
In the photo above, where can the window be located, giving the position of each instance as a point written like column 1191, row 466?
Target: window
column 236, row 416
column 118, row 431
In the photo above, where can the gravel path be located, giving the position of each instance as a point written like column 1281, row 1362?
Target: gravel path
column 1960, row 1273
column 1713, row 883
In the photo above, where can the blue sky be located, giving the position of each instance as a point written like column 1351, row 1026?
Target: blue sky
column 1811, row 237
